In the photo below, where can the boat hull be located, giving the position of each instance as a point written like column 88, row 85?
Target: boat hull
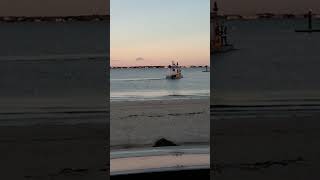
column 174, row 76
column 224, row 49
column 308, row 30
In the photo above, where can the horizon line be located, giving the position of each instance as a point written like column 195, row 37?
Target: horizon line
column 160, row 66
column 52, row 16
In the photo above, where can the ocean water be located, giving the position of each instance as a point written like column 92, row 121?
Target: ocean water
column 53, row 59
column 52, row 39
column 273, row 64
column 151, row 84
column 50, row 69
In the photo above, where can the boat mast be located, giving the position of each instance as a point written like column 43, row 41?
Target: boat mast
column 310, row 19
column 217, row 29
column 214, row 25
column 215, row 15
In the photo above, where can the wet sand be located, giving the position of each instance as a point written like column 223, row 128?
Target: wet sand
column 141, row 123
column 53, row 120
column 53, row 139
column 266, row 143
column 266, row 94
column 54, row 152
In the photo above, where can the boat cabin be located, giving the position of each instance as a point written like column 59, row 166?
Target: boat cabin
column 174, row 71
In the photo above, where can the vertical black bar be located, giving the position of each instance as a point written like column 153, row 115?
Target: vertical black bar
column 264, row 94
column 213, row 9
column 107, row 88
column 54, row 94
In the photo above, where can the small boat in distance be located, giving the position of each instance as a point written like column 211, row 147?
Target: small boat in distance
column 174, row 71
column 206, row 69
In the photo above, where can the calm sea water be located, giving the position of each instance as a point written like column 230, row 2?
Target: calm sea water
column 52, row 60
column 273, row 64
column 51, row 39
column 147, row 84
column 48, row 67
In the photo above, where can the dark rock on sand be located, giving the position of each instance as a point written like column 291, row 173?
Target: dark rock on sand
column 163, row 142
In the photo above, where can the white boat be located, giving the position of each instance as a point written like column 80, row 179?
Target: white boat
column 219, row 43
column 174, row 71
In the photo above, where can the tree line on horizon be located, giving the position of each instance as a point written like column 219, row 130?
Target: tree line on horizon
column 54, row 18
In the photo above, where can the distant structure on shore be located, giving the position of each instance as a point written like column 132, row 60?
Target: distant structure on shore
column 152, row 67
column 137, row 67
column 11, row 19
column 310, row 28
column 265, row 16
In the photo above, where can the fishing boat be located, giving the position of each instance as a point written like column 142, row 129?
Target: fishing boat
column 219, row 43
column 174, row 71
column 310, row 29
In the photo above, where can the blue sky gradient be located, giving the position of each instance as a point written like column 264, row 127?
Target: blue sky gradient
column 159, row 31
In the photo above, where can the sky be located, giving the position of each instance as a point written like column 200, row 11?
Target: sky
column 53, row 7
column 252, row 7
column 155, row 32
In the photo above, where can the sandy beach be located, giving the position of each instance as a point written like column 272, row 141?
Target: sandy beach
column 266, row 143
column 265, row 118
column 53, row 120
column 54, row 152
column 53, row 138
column 141, row 123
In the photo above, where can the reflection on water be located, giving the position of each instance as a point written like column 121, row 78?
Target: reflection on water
column 142, row 84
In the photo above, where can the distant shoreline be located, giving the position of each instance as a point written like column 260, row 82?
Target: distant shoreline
column 12, row 19
column 153, row 67
column 265, row 16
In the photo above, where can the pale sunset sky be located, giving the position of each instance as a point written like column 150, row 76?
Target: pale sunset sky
column 155, row 32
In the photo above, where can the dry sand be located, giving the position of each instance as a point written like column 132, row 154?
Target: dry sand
column 141, row 123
